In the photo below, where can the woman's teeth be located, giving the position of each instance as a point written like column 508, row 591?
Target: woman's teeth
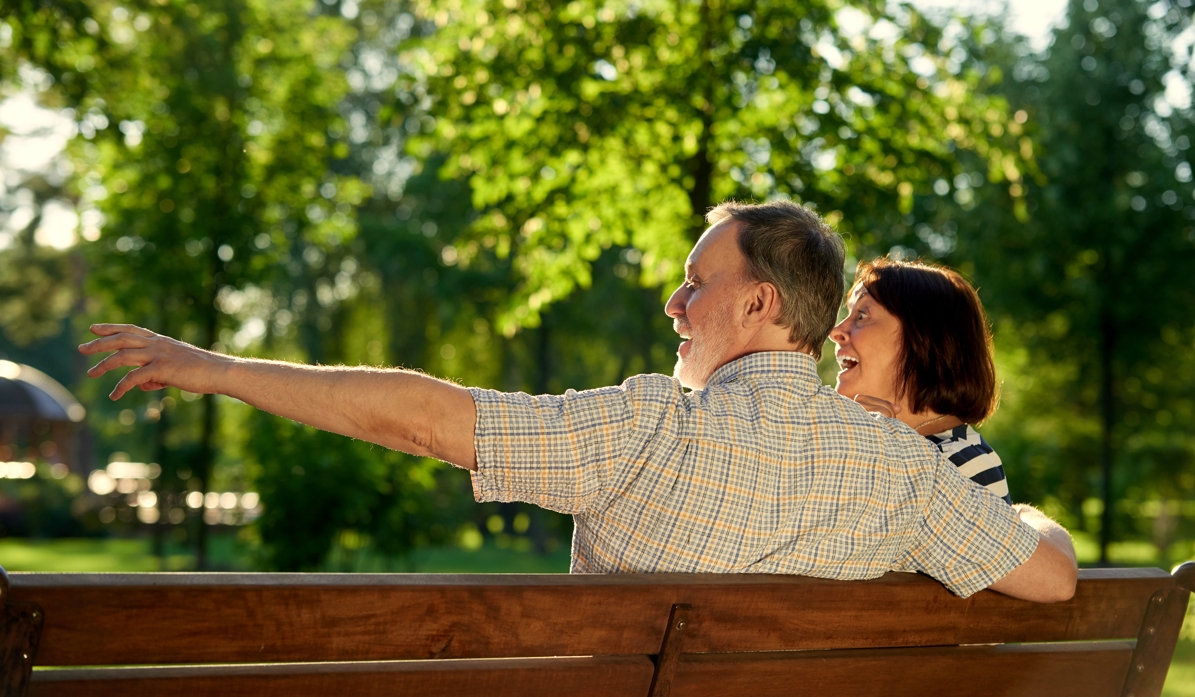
column 847, row 362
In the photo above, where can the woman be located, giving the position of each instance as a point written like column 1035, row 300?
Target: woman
column 915, row 346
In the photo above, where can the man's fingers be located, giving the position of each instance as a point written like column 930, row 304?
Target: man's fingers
column 140, row 377
column 120, row 359
column 110, row 329
column 114, row 342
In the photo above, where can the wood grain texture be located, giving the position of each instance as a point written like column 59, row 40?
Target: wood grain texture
column 1052, row 670
column 20, row 631
column 256, row 618
column 578, row 677
column 20, row 626
column 670, row 652
column 1156, row 642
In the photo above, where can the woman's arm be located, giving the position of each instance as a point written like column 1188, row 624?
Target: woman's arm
column 1050, row 574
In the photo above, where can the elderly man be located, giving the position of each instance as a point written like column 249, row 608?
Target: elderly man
column 759, row 468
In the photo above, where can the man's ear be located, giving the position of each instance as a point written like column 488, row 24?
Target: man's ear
column 763, row 305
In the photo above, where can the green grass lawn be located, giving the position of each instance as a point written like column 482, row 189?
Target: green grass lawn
column 228, row 554
column 76, row 555
column 1180, row 681
column 114, row 554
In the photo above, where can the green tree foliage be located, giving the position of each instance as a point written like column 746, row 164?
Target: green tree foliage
column 1084, row 293
column 35, row 289
column 317, row 485
column 57, row 37
column 205, row 147
column 582, row 126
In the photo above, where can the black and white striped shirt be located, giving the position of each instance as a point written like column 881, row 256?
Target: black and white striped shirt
column 974, row 458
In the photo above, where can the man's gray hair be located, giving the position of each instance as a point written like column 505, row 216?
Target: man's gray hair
column 791, row 247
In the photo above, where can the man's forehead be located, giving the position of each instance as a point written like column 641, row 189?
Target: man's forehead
column 718, row 244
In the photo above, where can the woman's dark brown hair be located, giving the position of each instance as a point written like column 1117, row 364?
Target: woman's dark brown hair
column 946, row 345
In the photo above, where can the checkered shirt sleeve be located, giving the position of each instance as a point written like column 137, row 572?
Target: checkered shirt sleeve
column 561, row 452
column 968, row 538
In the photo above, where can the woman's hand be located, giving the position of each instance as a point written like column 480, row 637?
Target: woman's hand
column 880, row 406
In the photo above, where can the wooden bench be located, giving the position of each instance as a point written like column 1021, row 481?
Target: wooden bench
column 391, row 634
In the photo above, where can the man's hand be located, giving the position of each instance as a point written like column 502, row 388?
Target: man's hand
column 398, row 409
column 160, row 361
column 1050, row 574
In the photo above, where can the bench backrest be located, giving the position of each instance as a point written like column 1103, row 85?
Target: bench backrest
column 361, row 634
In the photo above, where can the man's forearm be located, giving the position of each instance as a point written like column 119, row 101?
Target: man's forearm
column 399, row 409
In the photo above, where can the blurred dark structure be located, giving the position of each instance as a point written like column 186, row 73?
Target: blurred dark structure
column 38, row 417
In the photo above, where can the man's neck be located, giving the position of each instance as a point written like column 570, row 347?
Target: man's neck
column 793, row 348
column 772, row 343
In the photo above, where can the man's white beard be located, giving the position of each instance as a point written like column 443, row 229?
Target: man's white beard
column 708, row 348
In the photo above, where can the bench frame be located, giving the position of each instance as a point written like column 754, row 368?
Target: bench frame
column 642, row 634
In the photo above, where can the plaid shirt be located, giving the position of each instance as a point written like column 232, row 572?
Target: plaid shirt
column 764, row 471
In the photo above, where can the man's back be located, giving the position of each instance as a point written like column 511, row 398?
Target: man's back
column 764, row 471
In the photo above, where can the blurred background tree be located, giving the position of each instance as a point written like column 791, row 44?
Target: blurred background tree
column 1091, row 284
column 1098, row 375
column 503, row 192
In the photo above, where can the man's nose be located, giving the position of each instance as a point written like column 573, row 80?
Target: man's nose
column 675, row 307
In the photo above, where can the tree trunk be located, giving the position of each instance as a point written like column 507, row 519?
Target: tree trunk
column 226, row 200
column 700, row 167
column 1107, row 345
column 202, row 472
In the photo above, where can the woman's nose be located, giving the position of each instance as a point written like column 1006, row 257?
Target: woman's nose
column 838, row 333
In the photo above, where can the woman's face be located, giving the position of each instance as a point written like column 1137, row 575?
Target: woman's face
column 869, row 342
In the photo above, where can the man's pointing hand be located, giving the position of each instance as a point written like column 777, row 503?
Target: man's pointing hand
column 397, row 409
column 158, row 361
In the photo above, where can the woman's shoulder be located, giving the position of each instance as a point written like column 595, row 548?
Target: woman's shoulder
column 975, row 459
column 958, row 438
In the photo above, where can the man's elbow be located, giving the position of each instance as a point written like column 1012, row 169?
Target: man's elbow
column 1055, row 590
column 1049, row 576
column 1054, row 581
column 1063, row 588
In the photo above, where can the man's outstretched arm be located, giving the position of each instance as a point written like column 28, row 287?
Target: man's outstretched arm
column 398, row 409
column 1050, row 574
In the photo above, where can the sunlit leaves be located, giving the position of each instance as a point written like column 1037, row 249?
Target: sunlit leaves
column 641, row 116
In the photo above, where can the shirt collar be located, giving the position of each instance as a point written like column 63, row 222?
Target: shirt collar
column 792, row 365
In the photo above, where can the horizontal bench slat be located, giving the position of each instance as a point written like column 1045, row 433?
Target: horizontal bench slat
column 256, row 618
column 1054, row 670
column 515, row 677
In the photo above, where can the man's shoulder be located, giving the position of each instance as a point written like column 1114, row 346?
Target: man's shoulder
column 646, row 382
column 847, row 418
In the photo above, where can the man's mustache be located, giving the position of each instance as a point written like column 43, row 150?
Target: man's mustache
column 680, row 325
